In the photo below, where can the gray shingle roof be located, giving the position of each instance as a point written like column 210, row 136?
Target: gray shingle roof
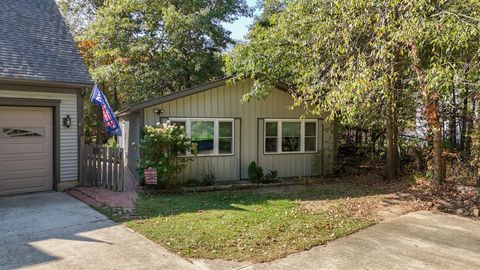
column 35, row 44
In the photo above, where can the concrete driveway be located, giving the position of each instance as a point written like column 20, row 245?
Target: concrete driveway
column 55, row 231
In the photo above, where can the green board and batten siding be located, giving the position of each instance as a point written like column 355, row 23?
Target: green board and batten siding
column 225, row 102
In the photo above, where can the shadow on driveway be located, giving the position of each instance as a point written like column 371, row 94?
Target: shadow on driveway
column 55, row 231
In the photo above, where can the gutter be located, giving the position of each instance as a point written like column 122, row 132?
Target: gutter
column 58, row 84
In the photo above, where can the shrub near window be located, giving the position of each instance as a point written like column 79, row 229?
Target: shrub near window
column 164, row 148
column 255, row 172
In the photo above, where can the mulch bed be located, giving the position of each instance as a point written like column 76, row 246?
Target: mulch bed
column 229, row 187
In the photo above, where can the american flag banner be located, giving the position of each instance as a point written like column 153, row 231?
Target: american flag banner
column 109, row 119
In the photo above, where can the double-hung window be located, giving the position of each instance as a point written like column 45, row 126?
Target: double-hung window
column 213, row 136
column 290, row 136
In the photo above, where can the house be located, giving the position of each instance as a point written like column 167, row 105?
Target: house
column 42, row 80
column 231, row 134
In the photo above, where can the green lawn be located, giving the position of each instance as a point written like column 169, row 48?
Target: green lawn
column 256, row 225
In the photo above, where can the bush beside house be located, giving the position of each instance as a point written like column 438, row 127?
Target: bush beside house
column 166, row 149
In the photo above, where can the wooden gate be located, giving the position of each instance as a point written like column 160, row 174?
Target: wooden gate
column 102, row 166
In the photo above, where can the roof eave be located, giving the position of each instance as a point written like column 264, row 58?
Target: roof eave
column 190, row 91
column 75, row 85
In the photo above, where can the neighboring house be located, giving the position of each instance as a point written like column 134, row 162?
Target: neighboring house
column 42, row 80
column 231, row 134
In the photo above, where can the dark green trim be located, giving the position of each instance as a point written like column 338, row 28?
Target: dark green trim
column 55, row 105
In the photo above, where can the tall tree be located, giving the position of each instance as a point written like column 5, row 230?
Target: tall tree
column 143, row 48
column 443, row 40
column 363, row 59
column 139, row 49
column 336, row 60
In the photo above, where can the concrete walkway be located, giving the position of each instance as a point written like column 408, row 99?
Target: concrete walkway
column 56, row 231
column 420, row 240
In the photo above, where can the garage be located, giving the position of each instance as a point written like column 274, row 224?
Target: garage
column 26, row 149
column 43, row 82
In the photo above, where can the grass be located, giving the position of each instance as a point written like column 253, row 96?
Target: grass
column 259, row 225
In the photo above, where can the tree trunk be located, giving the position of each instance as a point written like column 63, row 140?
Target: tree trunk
column 452, row 125
column 463, row 128
column 438, row 165
column 431, row 100
column 392, row 133
column 391, row 170
column 470, row 127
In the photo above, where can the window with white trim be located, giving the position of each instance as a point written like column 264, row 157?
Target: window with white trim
column 290, row 136
column 213, row 136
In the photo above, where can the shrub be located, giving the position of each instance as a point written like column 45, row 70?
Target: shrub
column 164, row 148
column 208, row 179
column 255, row 172
column 270, row 177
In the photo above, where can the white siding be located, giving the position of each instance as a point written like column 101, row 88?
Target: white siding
column 68, row 136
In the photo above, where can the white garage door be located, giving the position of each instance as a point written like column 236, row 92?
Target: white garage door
column 26, row 149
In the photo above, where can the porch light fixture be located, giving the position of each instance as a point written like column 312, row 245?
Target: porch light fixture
column 67, row 121
column 158, row 111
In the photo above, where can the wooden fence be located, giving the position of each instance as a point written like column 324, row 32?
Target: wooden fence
column 102, row 166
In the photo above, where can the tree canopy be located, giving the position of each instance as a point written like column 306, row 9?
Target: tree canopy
column 356, row 59
column 139, row 49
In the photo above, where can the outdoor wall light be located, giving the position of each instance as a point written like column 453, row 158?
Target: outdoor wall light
column 67, row 121
column 158, row 111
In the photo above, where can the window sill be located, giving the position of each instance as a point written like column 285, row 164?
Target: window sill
column 290, row 153
column 213, row 155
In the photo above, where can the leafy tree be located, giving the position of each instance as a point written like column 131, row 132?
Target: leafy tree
column 139, row 49
column 361, row 60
